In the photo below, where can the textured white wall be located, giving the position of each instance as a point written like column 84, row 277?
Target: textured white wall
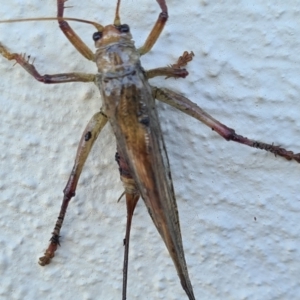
column 245, row 73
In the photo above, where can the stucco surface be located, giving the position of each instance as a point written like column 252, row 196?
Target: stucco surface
column 239, row 207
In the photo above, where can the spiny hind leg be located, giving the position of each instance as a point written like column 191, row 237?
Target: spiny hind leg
column 192, row 109
column 88, row 138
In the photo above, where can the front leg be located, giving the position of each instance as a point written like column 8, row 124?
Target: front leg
column 74, row 39
column 157, row 28
column 55, row 78
column 192, row 109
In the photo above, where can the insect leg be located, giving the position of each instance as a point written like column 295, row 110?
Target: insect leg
column 157, row 28
column 88, row 138
column 71, row 35
column 55, row 78
column 185, row 105
column 167, row 72
column 184, row 59
column 173, row 70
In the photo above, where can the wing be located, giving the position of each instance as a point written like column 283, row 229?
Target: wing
column 136, row 125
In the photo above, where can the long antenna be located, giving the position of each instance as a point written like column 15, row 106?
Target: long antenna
column 117, row 21
column 98, row 26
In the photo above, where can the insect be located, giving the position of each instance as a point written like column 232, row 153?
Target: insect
column 243, row 150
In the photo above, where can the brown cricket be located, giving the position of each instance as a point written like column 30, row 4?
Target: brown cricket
column 129, row 107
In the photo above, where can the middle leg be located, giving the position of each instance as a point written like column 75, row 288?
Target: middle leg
column 55, row 78
column 173, row 70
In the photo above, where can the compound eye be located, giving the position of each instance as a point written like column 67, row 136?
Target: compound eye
column 97, row 36
column 124, row 28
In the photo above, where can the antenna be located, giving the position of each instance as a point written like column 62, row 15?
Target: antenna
column 98, row 26
column 117, row 21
